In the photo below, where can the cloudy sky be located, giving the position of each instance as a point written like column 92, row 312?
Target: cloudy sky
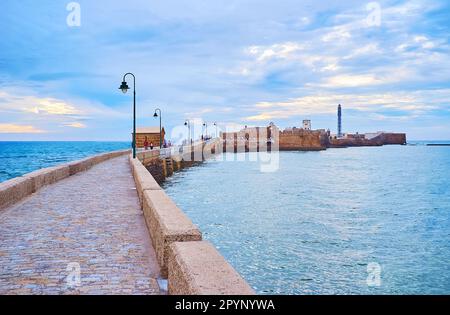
column 232, row 62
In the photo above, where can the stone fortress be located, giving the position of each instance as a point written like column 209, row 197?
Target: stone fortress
column 252, row 139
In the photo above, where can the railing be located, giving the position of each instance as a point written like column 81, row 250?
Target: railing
column 175, row 149
column 166, row 152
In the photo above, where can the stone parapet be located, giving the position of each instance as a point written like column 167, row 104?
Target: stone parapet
column 143, row 179
column 197, row 268
column 48, row 176
column 12, row 191
column 166, row 224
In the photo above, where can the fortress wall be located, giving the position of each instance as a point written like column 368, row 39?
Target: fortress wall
column 382, row 139
column 343, row 143
column 301, row 140
column 260, row 139
column 394, row 138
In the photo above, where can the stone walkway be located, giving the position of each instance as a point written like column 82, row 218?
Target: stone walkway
column 90, row 222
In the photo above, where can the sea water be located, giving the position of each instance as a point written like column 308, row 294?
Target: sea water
column 368, row 220
column 19, row 158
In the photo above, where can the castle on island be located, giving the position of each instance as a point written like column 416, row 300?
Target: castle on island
column 305, row 138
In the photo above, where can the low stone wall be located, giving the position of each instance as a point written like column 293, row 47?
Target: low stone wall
column 144, row 181
column 197, row 268
column 166, row 224
column 14, row 190
column 165, row 221
column 194, row 268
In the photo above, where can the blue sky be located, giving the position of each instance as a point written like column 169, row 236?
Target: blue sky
column 244, row 62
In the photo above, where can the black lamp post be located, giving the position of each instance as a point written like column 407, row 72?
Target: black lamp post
column 124, row 87
column 160, row 130
column 188, row 124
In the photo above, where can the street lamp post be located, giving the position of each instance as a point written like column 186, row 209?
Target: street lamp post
column 124, row 87
column 205, row 124
column 188, row 124
column 160, row 130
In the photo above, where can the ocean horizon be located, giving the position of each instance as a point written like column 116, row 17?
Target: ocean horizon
column 17, row 159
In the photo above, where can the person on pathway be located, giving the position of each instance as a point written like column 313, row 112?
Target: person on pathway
column 146, row 143
column 151, row 145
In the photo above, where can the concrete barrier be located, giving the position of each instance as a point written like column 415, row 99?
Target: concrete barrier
column 166, row 224
column 86, row 163
column 15, row 189
column 80, row 166
column 143, row 179
column 197, row 268
column 48, row 176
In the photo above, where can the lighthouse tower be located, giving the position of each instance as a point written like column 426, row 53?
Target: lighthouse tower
column 339, row 113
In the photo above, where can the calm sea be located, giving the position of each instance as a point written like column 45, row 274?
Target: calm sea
column 18, row 158
column 342, row 221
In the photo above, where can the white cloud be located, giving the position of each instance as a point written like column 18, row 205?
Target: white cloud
column 24, row 111
column 231, row 55
column 75, row 125
column 36, row 105
column 351, row 80
column 275, row 51
column 17, row 128
column 368, row 50
column 49, row 106
column 413, row 103
column 339, row 34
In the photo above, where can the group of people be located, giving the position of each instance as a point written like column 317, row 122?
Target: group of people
column 151, row 145
column 146, row 144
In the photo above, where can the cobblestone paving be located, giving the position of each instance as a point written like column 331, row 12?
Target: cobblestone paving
column 91, row 220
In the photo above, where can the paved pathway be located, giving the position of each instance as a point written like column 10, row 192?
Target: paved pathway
column 91, row 220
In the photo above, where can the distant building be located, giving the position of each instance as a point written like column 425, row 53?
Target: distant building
column 152, row 135
column 307, row 124
column 355, row 136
